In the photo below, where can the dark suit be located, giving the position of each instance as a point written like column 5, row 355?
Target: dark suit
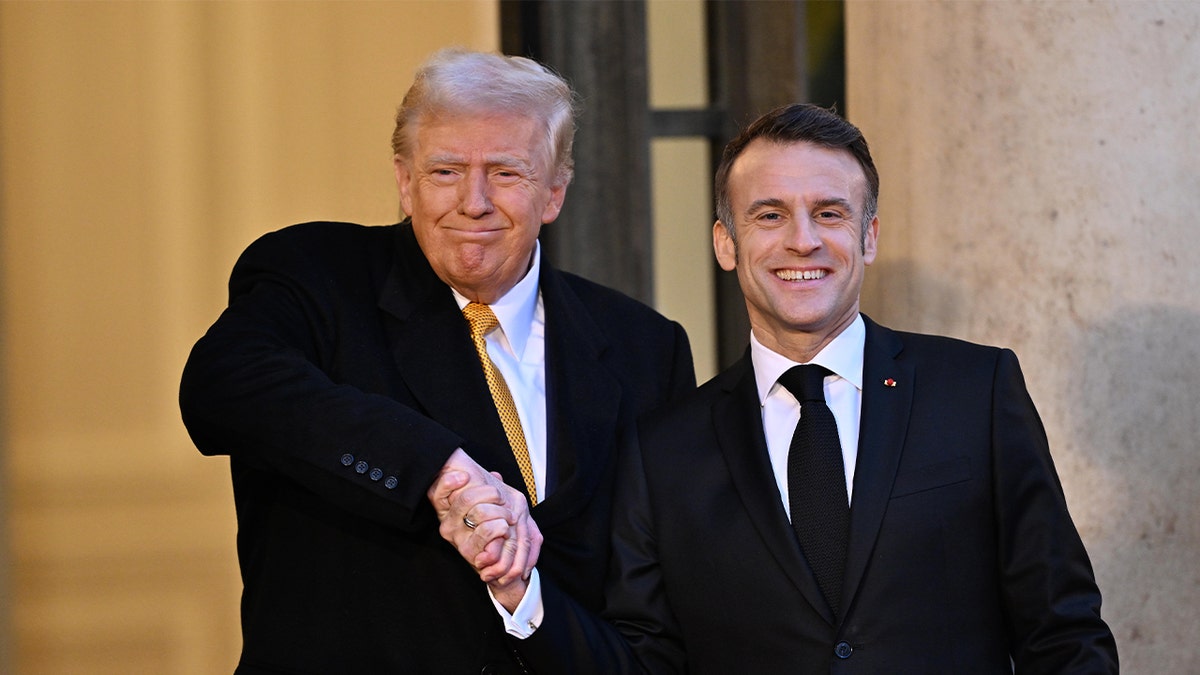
column 962, row 552
column 339, row 380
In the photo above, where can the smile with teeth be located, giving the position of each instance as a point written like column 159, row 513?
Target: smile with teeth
column 797, row 275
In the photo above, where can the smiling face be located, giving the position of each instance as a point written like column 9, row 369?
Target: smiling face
column 478, row 189
column 800, row 252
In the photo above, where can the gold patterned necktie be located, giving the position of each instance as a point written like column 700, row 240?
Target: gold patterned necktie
column 482, row 321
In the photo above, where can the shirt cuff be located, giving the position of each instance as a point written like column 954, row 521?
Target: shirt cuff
column 528, row 616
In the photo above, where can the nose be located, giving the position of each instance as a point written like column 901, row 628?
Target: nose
column 805, row 236
column 474, row 200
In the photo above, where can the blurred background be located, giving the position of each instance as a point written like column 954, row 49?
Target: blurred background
column 1040, row 169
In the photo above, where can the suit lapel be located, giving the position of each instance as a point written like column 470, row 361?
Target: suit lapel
column 583, row 400
column 432, row 348
column 883, row 424
column 737, row 423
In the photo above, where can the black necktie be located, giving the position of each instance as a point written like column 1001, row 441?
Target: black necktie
column 817, row 482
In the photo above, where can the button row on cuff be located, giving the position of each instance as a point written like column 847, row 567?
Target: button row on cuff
column 374, row 474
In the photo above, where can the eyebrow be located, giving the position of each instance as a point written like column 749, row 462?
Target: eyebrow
column 777, row 203
column 835, row 201
column 520, row 163
column 768, row 202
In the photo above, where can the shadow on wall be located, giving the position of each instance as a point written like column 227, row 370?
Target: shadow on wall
column 1125, row 439
column 900, row 295
column 1137, row 426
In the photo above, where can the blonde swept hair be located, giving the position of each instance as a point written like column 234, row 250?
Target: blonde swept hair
column 458, row 81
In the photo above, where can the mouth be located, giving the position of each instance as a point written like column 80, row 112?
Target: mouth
column 479, row 231
column 800, row 275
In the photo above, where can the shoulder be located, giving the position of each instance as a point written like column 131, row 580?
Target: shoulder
column 950, row 364
column 931, row 348
column 622, row 318
column 323, row 236
column 320, row 246
column 733, row 385
column 603, row 299
column 946, row 347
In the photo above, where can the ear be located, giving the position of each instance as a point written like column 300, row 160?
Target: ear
column 403, row 183
column 724, row 247
column 871, row 241
column 554, row 206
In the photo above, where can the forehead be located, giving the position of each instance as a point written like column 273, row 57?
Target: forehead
column 488, row 133
column 801, row 170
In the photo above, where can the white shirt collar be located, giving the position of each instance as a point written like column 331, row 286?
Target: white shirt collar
column 843, row 355
column 515, row 309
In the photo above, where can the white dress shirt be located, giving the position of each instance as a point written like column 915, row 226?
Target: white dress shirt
column 843, row 356
column 518, row 350
column 843, row 392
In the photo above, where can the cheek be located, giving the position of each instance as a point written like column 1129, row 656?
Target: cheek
column 522, row 208
column 435, row 200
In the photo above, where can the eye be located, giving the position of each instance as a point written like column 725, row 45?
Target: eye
column 829, row 216
column 505, row 176
column 442, row 175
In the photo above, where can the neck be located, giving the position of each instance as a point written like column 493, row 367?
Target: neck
column 801, row 346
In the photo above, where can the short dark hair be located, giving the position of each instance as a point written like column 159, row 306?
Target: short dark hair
column 799, row 123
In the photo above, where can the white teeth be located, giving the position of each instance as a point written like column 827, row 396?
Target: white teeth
column 793, row 275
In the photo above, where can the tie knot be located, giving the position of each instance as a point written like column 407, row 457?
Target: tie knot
column 481, row 317
column 807, row 383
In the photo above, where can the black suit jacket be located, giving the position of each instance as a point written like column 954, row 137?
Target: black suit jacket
column 962, row 555
column 339, row 380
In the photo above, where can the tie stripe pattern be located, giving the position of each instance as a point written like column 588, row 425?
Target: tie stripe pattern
column 483, row 321
column 817, row 482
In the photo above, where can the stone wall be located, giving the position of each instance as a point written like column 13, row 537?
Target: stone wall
column 1040, row 184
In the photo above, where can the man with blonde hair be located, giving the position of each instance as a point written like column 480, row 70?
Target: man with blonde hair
column 356, row 365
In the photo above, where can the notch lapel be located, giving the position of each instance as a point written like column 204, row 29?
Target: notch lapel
column 432, row 349
column 583, row 401
column 883, row 426
column 737, row 423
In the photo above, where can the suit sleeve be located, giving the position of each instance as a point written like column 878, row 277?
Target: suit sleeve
column 1049, row 590
column 255, row 388
column 637, row 632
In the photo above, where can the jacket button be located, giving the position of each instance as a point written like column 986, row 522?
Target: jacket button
column 843, row 650
column 376, row 473
column 361, row 467
column 347, row 459
column 391, row 483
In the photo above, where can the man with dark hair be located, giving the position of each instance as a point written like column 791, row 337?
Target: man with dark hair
column 846, row 498
column 355, row 365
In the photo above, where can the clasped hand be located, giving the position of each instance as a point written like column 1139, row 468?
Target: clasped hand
column 504, row 544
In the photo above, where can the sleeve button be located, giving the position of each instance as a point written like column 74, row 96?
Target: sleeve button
column 376, row 473
column 391, row 483
column 361, row 467
column 347, row 459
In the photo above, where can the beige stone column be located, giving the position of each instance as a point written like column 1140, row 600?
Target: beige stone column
column 1040, row 166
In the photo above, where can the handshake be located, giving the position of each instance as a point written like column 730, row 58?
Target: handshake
column 490, row 525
